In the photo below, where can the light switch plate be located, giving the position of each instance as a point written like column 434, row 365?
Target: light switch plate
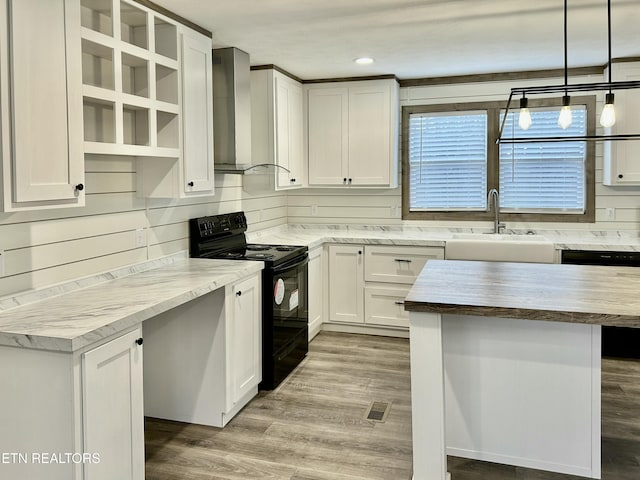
column 140, row 237
column 611, row 213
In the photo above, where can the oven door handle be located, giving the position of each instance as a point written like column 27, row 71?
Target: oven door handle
column 292, row 264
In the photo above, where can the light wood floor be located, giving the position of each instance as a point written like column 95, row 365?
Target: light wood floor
column 313, row 426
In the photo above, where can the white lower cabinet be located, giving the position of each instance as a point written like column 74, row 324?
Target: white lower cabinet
column 113, row 418
column 346, row 283
column 203, row 359
column 368, row 284
column 244, row 340
column 74, row 416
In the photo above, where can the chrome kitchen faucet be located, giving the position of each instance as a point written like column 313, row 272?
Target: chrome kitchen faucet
column 494, row 197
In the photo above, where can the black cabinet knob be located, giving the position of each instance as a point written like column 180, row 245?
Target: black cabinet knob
column 190, row 184
column 344, row 180
column 239, row 293
column 139, row 341
column 79, row 187
column 349, row 181
column 359, row 252
column 620, row 175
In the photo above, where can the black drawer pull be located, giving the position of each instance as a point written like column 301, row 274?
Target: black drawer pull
column 402, row 260
column 399, row 303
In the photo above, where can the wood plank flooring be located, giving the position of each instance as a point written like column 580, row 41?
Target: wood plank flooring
column 313, row 426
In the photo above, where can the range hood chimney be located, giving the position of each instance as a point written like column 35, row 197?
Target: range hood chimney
column 231, row 110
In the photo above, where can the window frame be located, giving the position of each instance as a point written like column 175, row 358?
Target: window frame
column 493, row 162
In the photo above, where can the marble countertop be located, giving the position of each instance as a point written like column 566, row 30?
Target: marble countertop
column 315, row 235
column 81, row 317
column 552, row 292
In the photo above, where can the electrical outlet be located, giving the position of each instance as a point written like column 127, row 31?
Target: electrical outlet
column 314, row 210
column 140, row 237
column 611, row 213
column 1, row 263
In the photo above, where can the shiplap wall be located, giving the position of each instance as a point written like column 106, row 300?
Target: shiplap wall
column 382, row 207
column 50, row 246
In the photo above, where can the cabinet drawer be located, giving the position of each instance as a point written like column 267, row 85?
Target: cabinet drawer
column 385, row 306
column 397, row 264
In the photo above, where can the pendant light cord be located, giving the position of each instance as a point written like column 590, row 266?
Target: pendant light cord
column 566, row 73
column 609, row 39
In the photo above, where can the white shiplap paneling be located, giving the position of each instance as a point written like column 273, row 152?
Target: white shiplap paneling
column 47, row 247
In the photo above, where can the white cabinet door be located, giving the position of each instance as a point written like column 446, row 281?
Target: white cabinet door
column 113, row 409
column 369, row 139
column 621, row 166
column 296, row 141
column 315, row 291
column 41, row 104
column 244, row 339
column 197, row 110
column 328, row 136
column 346, row 282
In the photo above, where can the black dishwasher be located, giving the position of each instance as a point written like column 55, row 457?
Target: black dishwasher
column 616, row 341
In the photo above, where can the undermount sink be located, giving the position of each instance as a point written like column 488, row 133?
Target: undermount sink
column 500, row 248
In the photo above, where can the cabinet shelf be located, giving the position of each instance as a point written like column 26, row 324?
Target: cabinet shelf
column 97, row 15
column 99, row 120
column 135, row 125
column 135, row 75
column 168, row 129
column 166, row 39
column 97, row 65
column 133, row 25
column 166, row 84
column 100, row 148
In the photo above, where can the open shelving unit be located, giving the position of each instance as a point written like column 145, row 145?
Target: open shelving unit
column 131, row 80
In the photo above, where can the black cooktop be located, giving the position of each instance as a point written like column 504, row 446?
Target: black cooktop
column 223, row 237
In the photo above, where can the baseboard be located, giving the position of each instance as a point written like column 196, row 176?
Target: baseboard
column 366, row 329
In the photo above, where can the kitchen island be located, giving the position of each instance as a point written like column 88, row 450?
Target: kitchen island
column 505, row 362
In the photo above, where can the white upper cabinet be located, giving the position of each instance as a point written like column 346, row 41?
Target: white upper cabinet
column 328, row 136
column 40, row 104
column 621, row 165
column 353, row 133
column 277, row 126
column 147, row 92
column 197, row 110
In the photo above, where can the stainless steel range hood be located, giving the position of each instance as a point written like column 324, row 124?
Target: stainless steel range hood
column 231, row 110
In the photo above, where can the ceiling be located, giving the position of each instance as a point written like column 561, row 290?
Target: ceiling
column 416, row 38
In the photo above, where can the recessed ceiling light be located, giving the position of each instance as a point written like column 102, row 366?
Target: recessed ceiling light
column 364, row 60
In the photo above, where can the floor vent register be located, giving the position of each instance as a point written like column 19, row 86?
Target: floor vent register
column 378, row 411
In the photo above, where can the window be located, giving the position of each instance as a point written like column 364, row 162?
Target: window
column 451, row 160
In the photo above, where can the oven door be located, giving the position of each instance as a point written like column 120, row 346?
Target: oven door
column 288, row 301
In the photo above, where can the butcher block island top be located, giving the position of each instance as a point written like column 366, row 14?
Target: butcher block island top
column 562, row 293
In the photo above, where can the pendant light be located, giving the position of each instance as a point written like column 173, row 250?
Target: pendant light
column 524, row 119
column 608, row 117
column 565, row 117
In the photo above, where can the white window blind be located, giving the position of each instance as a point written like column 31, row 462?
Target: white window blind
column 448, row 161
column 544, row 177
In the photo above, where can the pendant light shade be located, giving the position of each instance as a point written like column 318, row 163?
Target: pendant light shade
column 608, row 116
column 565, row 118
column 524, row 119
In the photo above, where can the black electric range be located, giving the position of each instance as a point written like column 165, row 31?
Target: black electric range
column 284, row 288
